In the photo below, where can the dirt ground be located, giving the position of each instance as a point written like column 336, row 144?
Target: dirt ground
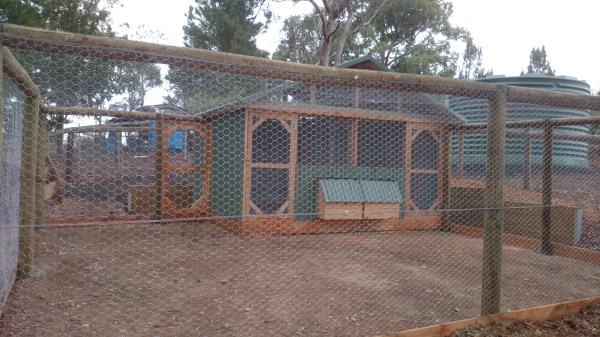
column 584, row 324
column 571, row 187
column 195, row 279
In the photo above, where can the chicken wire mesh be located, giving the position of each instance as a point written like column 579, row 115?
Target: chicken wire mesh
column 261, row 200
column 10, row 154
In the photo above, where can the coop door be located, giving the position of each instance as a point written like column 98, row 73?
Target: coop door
column 270, row 163
column 423, row 164
column 186, row 169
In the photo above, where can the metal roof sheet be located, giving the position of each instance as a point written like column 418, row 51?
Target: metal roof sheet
column 341, row 190
column 380, row 191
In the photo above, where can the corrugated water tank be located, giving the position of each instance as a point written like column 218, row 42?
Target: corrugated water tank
column 565, row 152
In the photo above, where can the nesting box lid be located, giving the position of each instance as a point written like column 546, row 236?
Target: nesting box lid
column 341, row 190
column 381, row 191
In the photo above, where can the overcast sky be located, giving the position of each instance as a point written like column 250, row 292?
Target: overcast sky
column 507, row 30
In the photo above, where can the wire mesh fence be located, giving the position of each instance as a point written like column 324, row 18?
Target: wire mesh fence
column 10, row 154
column 264, row 198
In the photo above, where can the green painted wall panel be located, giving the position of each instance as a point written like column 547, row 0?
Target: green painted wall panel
column 227, row 164
column 306, row 183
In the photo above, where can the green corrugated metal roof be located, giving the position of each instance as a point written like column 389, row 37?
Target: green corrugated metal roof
column 351, row 190
column 376, row 64
column 341, row 190
column 380, row 191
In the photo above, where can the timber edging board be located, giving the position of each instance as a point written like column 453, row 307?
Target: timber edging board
column 541, row 313
column 559, row 249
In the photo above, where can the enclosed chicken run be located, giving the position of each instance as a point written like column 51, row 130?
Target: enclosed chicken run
column 272, row 198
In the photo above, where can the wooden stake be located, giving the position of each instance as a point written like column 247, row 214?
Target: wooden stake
column 158, row 167
column 1, row 106
column 547, row 190
column 184, row 145
column 69, row 158
column 41, row 172
column 460, row 161
column 28, row 185
column 494, row 202
column 446, row 168
column 118, row 148
column 527, row 160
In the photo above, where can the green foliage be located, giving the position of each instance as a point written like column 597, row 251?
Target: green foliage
column 414, row 36
column 472, row 62
column 221, row 25
column 411, row 36
column 301, row 43
column 66, row 80
column 20, row 12
column 538, row 62
column 135, row 79
column 229, row 26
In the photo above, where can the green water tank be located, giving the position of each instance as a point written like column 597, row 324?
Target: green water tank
column 565, row 153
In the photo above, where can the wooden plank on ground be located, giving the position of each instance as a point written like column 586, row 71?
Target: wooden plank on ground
column 541, row 313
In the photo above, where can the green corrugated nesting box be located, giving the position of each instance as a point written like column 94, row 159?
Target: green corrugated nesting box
column 358, row 199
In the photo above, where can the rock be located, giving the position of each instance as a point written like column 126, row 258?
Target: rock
column 456, row 310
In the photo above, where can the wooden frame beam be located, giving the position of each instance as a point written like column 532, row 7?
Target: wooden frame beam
column 41, row 171
column 128, row 50
column 27, row 196
column 546, row 247
column 159, row 173
column 541, row 313
column 535, row 122
column 119, row 49
column 76, row 111
column 17, row 73
column 494, row 203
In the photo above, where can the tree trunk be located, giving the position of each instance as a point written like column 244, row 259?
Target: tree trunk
column 343, row 38
column 325, row 50
column 330, row 27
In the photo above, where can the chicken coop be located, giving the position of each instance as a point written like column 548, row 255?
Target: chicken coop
column 299, row 152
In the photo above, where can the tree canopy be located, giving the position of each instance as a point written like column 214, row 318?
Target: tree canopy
column 66, row 80
column 538, row 62
column 229, row 26
column 410, row 36
column 222, row 25
column 472, row 62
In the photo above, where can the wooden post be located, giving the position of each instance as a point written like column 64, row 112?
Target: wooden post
column 41, row 173
column 547, row 189
column 494, row 203
column 27, row 204
column 184, row 145
column 69, row 158
column 158, row 167
column 446, row 162
column 527, row 160
column 118, row 147
column 1, row 105
column 460, row 160
column 356, row 103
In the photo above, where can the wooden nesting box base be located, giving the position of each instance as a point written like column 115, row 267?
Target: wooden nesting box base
column 381, row 210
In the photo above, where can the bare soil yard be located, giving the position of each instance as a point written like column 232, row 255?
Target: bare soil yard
column 194, row 279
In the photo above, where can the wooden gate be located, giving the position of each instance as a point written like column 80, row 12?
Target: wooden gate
column 186, row 149
column 270, row 164
column 423, row 169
